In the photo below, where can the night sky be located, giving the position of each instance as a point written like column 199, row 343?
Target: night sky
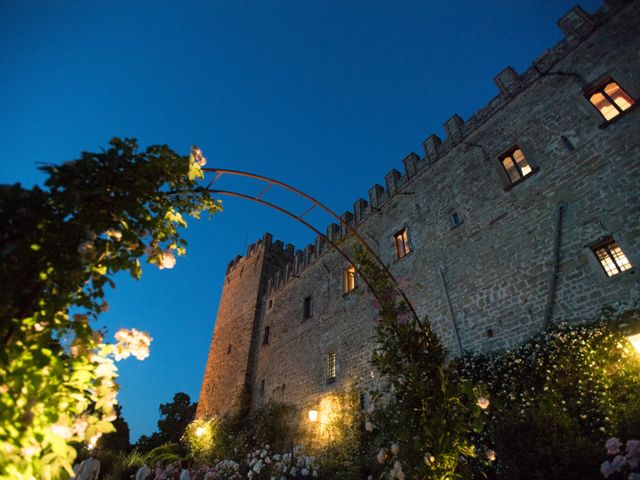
column 327, row 96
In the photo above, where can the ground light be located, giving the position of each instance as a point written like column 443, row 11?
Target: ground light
column 313, row 415
column 200, row 431
column 635, row 341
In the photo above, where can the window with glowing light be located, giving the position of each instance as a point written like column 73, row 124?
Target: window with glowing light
column 349, row 279
column 610, row 100
column 516, row 165
column 401, row 239
column 611, row 257
column 330, row 368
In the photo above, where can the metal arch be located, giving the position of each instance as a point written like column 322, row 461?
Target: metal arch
column 299, row 219
column 270, row 181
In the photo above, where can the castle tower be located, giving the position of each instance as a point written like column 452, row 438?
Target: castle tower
column 232, row 354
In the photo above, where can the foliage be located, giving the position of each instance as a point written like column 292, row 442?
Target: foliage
column 423, row 412
column 201, row 438
column 241, row 431
column 175, row 416
column 163, row 451
column 117, row 441
column 349, row 451
column 543, row 442
column 59, row 246
column 558, row 396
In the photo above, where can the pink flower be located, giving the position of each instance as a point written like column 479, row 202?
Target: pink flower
column 403, row 318
column 196, row 153
column 633, row 448
column 483, row 403
column 618, row 462
column 606, row 469
column 613, row 446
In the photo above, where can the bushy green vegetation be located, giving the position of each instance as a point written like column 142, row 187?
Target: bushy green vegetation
column 61, row 245
column 557, row 398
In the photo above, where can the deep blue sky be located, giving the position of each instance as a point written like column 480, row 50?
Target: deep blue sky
column 328, row 96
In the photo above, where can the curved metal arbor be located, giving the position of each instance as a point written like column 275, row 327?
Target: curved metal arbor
column 270, row 182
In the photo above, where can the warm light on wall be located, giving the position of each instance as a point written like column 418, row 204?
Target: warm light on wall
column 313, row 415
column 635, row 341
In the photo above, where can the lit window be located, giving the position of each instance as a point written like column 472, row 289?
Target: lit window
column 402, row 243
column 307, row 310
column 265, row 336
column 516, row 165
column 349, row 279
column 330, row 368
column 611, row 257
column 610, row 100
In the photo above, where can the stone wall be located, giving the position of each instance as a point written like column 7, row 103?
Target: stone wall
column 232, row 355
column 498, row 269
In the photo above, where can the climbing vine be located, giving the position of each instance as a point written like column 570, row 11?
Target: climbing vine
column 423, row 413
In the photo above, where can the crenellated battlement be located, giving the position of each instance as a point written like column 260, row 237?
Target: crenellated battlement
column 492, row 258
column 266, row 242
column 576, row 24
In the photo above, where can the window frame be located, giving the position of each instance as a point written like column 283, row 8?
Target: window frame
column 266, row 334
column 599, row 87
column 307, row 308
column 330, row 368
column 407, row 247
column 606, row 244
column 454, row 214
column 349, row 281
column 508, row 153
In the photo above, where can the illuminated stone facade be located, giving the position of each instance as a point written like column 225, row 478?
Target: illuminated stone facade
column 504, row 217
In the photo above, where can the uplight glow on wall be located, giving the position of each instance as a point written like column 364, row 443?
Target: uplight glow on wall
column 635, row 341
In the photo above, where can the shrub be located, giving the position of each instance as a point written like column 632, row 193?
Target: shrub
column 558, row 396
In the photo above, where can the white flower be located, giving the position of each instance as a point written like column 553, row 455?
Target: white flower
column 491, row 455
column 114, row 234
column 62, row 430
column 382, row 455
column 483, row 403
column 395, row 449
column 132, row 342
column 368, row 426
column 29, row 451
column 429, row 459
column 167, row 260
column 304, row 472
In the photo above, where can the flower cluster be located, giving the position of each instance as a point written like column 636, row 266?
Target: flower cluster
column 132, row 342
column 259, row 464
column 390, row 455
column 575, row 364
column 624, row 459
column 222, row 470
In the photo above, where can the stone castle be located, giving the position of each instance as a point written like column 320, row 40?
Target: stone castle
column 526, row 214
